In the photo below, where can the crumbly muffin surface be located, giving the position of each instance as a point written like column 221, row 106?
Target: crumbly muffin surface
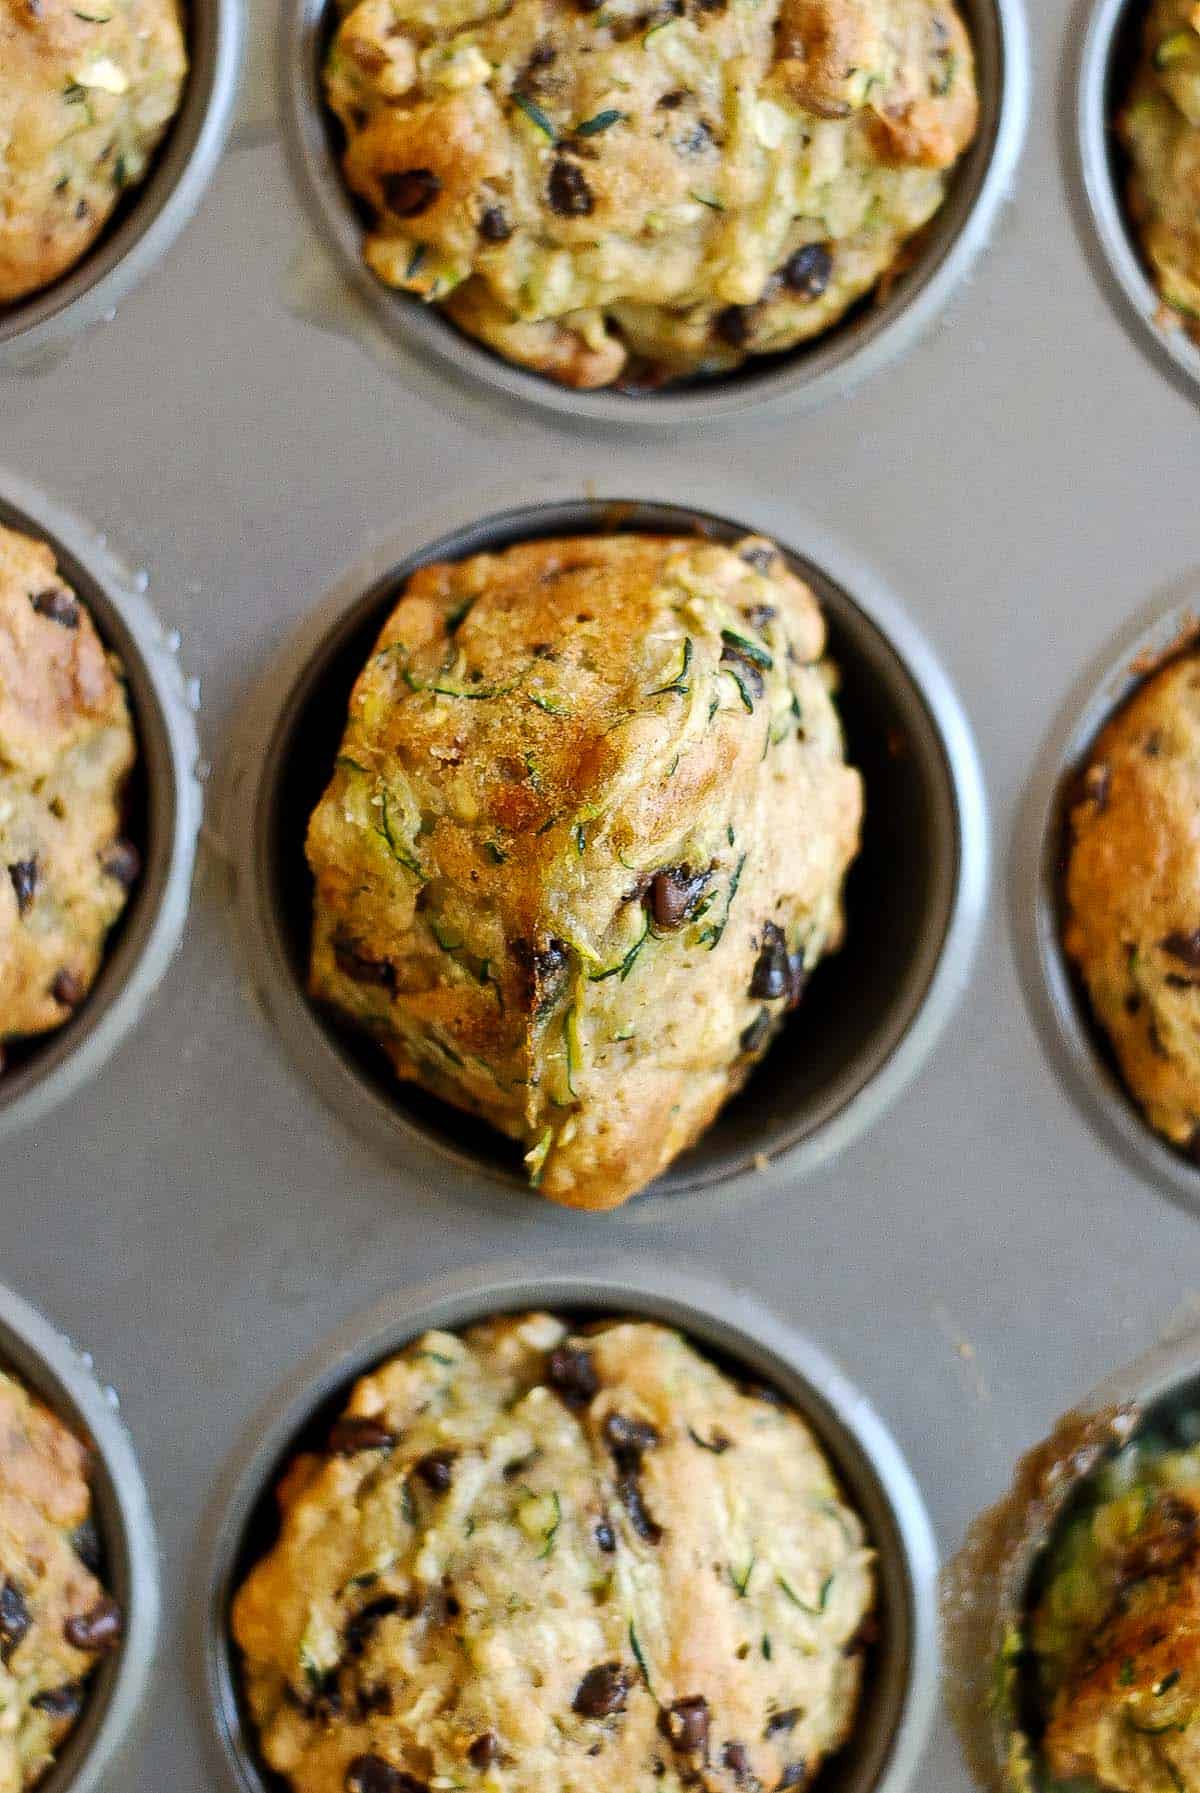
column 1116, row 1636
column 1133, row 894
column 1160, row 128
column 551, row 875
column 66, row 747
column 56, row 1621
column 599, row 191
column 87, row 93
column 532, row 1562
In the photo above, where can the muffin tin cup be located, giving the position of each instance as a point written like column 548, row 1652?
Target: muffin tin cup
column 987, row 1588
column 52, row 1066
column 872, row 1013
column 62, row 1377
column 1056, row 996
column 900, row 1690
column 867, row 340
column 1110, row 237
column 154, row 213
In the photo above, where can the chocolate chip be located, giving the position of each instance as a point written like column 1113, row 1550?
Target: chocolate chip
column 353, row 1434
column 762, row 557
column 606, row 1537
column 1152, row 745
column 362, row 1625
column 602, row 1691
column 696, row 141
column 57, row 605
column 568, row 191
column 543, row 966
column 436, row 1470
column 736, row 1759
column 670, row 102
column 353, row 963
column 483, row 1750
column 754, row 1037
column 572, row 1375
column 629, row 1439
column 759, row 615
column 685, row 1723
column 807, row 271
column 67, row 989
column 98, row 1630
column 673, row 893
column 375, row 1699
column 371, row 1774
column 60, row 1702
column 794, row 1775
column 1184, row 947
column 494, row 227
column 783, row 1721
column 733, row 326
column 85, row 1542
column 410, row 192
column 122, row 861
column 771, row 977
column 24, row 876
column 629, row 1491
column 14, row 1619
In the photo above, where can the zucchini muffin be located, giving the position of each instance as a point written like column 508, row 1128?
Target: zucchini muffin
column 88, row 91
column 647, row 189
column 585, row 841
column 1133, row 894
column 1116, row 1635
column 66, row 749
column 531, row 1562
column 56, row 1621
column 1160, row 129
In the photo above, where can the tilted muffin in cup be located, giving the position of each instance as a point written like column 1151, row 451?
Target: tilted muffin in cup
column 585, row 841
column 632, row 192
column 529, row 1559
column 66, row 750
column 86, row 95
column 56, row 1621
column 1159, row 126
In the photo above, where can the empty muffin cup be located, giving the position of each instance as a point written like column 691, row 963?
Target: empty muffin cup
column 1058, row 999
column 900, row 1684
column 992, row 1587
column 876, row 330
column 871, row 1012
column 151, row 214
column 60, row 1376
column 1108, row 56
column 163, row 819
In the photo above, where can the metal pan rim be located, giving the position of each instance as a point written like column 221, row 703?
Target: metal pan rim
column 185, row 164
column 803, row 379
column 730, row 1320
column 169, row 749
column 1119, row 263
column 55, row 1370
column 935, row 981
column 1058, row 1005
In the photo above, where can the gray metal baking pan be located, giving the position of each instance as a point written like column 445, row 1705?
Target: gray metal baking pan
column 164, row 817
column 901, row 1678
column 153, row 213
column 1021, row 480
column 104, row 1741
column 866, row 341
column 914, row 898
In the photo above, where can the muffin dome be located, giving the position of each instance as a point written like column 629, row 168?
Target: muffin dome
column 1133, row 894
column 536, row 1563
column 644, row 191
column 87, row 93
column 585, row 840
column 66, row 748
column 56, row 1621
column 1160, row 128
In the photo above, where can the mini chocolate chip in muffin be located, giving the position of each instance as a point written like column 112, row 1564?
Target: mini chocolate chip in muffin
column 56, row 1621
column 574, row 1651
column 66, row 750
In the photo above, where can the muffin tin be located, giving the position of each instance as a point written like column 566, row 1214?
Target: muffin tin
column 896, row 1703
column 104, row 1739
column 865, row 342
column 163, row 818
column 1009, row 505
column 913, row 900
